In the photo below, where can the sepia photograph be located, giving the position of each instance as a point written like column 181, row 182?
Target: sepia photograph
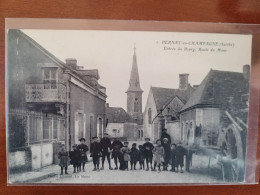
column 126, row 107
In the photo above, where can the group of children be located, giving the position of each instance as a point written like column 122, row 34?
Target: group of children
column 77, row 157
column 155, row 156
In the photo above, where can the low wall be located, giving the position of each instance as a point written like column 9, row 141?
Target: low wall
column 20, row 160
column 30, row 158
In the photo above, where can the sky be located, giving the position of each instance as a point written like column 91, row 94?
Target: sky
column 161, row 56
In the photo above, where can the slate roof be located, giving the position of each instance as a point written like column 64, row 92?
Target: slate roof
column 216, row 87
column 162, row 96
column 117, row 115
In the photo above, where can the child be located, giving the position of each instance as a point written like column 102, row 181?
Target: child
column 158, row 153
column 75, row 158
column 126, row 154
column 167, row 152
column 64, row 159
column 141, row 157
column 148, row 152
column 116, row 153
column 173, row 157
column 95, row 151
column 83, row 148
column 134, row 156
column 180, row 151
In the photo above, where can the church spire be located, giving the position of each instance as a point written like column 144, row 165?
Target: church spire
column 134, row 83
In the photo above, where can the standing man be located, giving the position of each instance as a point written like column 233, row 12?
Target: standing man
column 116, row 147
column 166, row 135
column 105, row 144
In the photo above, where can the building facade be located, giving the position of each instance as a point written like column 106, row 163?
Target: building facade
column 49, row 101
column 221, row 96
column 162, row 109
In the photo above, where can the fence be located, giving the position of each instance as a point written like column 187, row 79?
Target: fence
column 28, row 127
column 33, row 139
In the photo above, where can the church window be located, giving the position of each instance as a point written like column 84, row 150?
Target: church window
column 150, row 116
column 136, row 105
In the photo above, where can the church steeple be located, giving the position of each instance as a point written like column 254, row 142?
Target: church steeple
column 134, row 93
column 134, row 83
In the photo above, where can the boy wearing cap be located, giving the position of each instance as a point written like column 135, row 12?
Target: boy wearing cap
column 148, row 152
column 95, row 151
column 83, row 148
column 105, row 147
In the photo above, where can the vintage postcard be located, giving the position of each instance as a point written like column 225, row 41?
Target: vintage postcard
column 126, row 107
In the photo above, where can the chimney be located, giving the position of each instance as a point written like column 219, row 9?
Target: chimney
column 246, row 71
column 71, row 62
column 183, row 83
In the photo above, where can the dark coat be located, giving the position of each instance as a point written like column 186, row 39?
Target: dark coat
column 105, row 144
column 63, row 155
column 134, row 154
column 167, row 152
column 148, row 149
column 75, row 157
column 116, row 146
column 173, row 156
column 141, row 155
column 95, row 148
column 83, row 148
column 166, row 135
column 180, row 152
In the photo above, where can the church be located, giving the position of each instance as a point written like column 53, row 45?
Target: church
column 128, row 125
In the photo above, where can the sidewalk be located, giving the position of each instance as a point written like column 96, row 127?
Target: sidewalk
column 34, row 176
column 37, row 175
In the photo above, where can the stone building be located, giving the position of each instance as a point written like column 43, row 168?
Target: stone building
column 162, row 109
column 49, row 101
column 204, row 115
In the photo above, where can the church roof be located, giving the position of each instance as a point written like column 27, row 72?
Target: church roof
column 216, row 87
column 134, row 82
column 162, row 96
column 117, row 115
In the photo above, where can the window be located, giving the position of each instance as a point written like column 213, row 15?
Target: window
column 136, row 105
column 46, row 127
column 50, row 78
column 55, row 128
column 150, row 116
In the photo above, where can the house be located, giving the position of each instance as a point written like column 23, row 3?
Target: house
column 162, row 109
column 49, row 102
column 203, row 117
column 121, row 125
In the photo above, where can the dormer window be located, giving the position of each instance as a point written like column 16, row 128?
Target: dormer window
column 50, row 78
